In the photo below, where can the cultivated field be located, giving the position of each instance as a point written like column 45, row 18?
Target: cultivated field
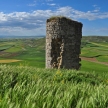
column 94, row 54
column 25, row 83
column 31, row 52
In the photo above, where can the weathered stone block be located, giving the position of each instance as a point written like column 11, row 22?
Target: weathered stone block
column 63, row 40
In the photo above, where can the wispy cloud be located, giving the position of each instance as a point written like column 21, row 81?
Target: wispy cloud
column 94, row 5
column 52, row 4
column 32, row 4
column 35, row 20
column 96, row 8
column 34, row 17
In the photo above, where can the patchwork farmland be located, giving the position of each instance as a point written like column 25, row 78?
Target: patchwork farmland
column 31, row 52
column 25, row 83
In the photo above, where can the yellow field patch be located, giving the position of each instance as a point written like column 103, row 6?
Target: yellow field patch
column 9, row 60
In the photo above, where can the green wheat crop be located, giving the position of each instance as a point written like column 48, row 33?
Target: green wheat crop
column 29, row 87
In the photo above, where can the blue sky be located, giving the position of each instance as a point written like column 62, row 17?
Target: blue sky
column 28, row 17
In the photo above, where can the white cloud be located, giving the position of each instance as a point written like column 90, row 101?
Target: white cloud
column 26, row 22
column 33, row 4
column 96, row 8
column 52, row 4
column 2, row 17
column 42, row 15
column 94, row 5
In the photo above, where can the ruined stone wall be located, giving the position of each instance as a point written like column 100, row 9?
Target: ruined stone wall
column 63, row 40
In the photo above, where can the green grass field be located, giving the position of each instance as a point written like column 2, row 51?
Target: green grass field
column 27, row 84
column 31, row 52
column 30, row 87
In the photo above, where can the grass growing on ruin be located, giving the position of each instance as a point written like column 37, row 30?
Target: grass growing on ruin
column 28, row 87
column 58, row 17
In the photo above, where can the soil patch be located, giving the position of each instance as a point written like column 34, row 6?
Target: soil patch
column 94, row 60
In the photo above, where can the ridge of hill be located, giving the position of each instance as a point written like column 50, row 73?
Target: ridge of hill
column 95, row 38
column 84, row 38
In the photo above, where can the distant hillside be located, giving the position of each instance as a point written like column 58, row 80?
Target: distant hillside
column 84, row 38
column 31, row 52
column 87, row 39
column 20, row 37
column 95, row 38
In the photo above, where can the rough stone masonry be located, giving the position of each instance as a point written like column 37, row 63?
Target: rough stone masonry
column 63, row 41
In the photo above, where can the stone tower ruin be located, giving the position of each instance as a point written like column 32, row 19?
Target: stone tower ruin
column 63, row 40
